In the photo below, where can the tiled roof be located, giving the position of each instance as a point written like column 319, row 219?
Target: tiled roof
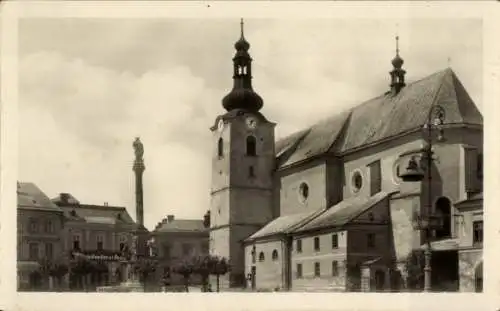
column 343, row 212
column 181, row 225
column 97, row 214
column 284, row 224
column 384, row 117
column 319, row 139
column 29, row 196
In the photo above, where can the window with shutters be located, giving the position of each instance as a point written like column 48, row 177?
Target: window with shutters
column 375, row 177
column 472, row 161
column 317, row 269
column 299, row 246
column 299, row 271
column 49, row 250
column 335, row 268
column 335, row 241
column 33, row 251
column 477, row 228
column 316, row 244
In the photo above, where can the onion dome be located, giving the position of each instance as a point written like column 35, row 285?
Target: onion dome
column 242, row 96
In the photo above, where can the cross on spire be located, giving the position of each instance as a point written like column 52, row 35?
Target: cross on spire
column 242, row 26
column 397, row 45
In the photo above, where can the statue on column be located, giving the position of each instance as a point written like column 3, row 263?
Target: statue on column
column 138, row 148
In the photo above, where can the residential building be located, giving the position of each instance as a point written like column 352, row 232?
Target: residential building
column 178, row 240
column 39, row 237
column 102, row 233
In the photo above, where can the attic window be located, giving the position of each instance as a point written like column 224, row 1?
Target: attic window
column 73, row 213
column 119, row 216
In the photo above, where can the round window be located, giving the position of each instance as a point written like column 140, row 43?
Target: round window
column 357, row 181
column 304, row 191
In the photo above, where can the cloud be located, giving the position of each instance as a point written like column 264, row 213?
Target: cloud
column 79, row 121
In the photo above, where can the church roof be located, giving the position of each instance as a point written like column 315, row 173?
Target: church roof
column 29, row 196
column 343, row 212
column 381, row 118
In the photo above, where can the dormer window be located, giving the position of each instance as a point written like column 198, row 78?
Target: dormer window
column 73, row 213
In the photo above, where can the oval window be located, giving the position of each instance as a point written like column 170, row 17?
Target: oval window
column 304, row 191
column 357, row 181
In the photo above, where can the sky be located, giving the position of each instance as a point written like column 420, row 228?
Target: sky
column 88, row 87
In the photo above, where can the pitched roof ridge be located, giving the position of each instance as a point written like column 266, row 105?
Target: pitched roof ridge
column 97, row 206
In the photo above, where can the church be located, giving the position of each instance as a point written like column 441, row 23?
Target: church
column 328, row 208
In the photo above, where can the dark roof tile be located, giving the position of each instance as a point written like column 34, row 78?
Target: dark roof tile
column 29, row 196
column 181, row 225
column 383, row 117
column 343, row 212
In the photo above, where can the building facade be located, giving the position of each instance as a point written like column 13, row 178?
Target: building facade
column 177, row 240
column 326, row 208
column 100, row 232
column 39, row 237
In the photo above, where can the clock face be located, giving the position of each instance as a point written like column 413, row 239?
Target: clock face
column 220, row 125
column 251, row 122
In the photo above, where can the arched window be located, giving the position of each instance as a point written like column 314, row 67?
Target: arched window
column 220, row 148
column 443, row 209
column 251, row 146
column 275, row 255
column 261, row 256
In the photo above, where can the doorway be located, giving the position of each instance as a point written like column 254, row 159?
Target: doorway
column 379, row 280
column 254, row 275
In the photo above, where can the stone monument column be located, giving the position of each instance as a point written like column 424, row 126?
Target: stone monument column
column 139, row 168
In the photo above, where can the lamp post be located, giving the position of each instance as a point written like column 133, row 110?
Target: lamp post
column 427, row 221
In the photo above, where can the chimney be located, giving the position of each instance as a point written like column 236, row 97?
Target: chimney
column 170, row 218
column 206, row 219
column 64, row 198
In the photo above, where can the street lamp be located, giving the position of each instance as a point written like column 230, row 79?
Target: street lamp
column 427, row 221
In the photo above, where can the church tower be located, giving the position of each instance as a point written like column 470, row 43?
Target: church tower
column 243, row 160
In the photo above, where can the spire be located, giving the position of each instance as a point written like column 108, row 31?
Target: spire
column 397, row 73
column 242, row 95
